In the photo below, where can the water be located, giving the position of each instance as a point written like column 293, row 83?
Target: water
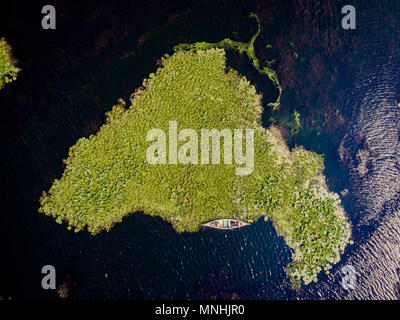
column 64, row 95
column 370, row 150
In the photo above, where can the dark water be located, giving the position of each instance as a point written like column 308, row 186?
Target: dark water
column 69, row 85
column 370, row 150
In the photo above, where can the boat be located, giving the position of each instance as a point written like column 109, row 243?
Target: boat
column 225, row 224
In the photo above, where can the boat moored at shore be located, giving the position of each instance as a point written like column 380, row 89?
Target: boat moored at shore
column 225, row 224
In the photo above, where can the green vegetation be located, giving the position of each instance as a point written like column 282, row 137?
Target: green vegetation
column 107, row 176
column 294, row 124
column 8, row 72
column 242, row 47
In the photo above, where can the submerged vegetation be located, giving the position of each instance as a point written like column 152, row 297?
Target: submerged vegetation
column 107, row 176
column 242, row 47
column 8, row 72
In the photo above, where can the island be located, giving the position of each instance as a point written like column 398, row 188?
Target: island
column 107, row 176
column 8, row 70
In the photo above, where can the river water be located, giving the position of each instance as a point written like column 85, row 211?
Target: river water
column 64, row 94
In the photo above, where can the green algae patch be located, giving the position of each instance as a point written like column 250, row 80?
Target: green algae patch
column 8, row 71
column 108, row 177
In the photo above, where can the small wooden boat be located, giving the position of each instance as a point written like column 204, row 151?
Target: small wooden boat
column 225, row 224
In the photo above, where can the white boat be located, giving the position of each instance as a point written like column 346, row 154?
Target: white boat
column 225, row 224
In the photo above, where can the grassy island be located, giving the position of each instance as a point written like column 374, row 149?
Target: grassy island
column 8, row 72
column 107, row 176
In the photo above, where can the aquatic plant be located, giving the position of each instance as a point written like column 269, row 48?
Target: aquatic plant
column 8, row 71
column 107, row 176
